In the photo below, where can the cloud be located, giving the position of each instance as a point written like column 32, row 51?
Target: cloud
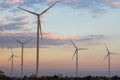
column 4, row 4
column 11, row 24
column 115, row 4
column 6, row 39
column 91, row 4
column 94, row 5
column 17, row 1
column 93, row 39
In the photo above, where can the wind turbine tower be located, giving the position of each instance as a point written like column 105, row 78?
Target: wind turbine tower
column 22, row 53
column 39, row 29
column 76, row 53
column 109, row 60
column 12, row 61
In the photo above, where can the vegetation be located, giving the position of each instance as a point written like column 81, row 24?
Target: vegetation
column 55, row 77
column 3, row 77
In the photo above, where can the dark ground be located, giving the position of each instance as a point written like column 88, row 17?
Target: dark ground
column 55, row 77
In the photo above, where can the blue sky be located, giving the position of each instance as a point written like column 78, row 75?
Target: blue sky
column 91, row 22
column 69, row 18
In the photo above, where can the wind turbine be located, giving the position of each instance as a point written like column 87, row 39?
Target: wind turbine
column 109, row 61
column 12, row 57
column 76, row 53
column 38, row 27
column 22, row 52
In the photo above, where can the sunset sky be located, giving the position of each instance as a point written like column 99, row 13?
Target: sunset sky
column 89, row 23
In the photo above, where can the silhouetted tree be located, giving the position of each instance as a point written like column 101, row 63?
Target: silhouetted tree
column 55, row 77
column 32, row 77
column 5, row 78
column 25, row 78
column 115, row 77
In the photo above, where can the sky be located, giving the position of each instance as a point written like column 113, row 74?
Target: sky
column 89, row 23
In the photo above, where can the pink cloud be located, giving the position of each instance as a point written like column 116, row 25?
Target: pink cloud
column 49, row 39
column 112, row 3
column 16, row 1
column 51, row 36
column 46, row 35
column 65, row 1
column 116, row 4
column 51, row 0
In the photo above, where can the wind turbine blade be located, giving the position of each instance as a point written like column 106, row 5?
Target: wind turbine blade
column 39, row 25
column 114, row 53
column 74, row 54
column 106, row 48
column 28, row 11
column 82, row 48
column 74, row 44
column 48, row 8
column 27, row 41
column 106, row 56
column 40, row 30
column 10, row 58
column 17, row 40
column 16, row 56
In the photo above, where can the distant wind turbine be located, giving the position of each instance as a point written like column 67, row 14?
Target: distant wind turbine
column 38, row 27
column 0, row 67
column 76, row 53
column 12, row 62
column 108, row 55
column 22, row 52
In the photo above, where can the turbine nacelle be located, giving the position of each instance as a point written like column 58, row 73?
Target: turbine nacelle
column 109, row 60
column 38, row 15
column 21, row 41
column 12, row 55
column 109, row 53
column 39, row 30
column 76, row 53
column 77, row 49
